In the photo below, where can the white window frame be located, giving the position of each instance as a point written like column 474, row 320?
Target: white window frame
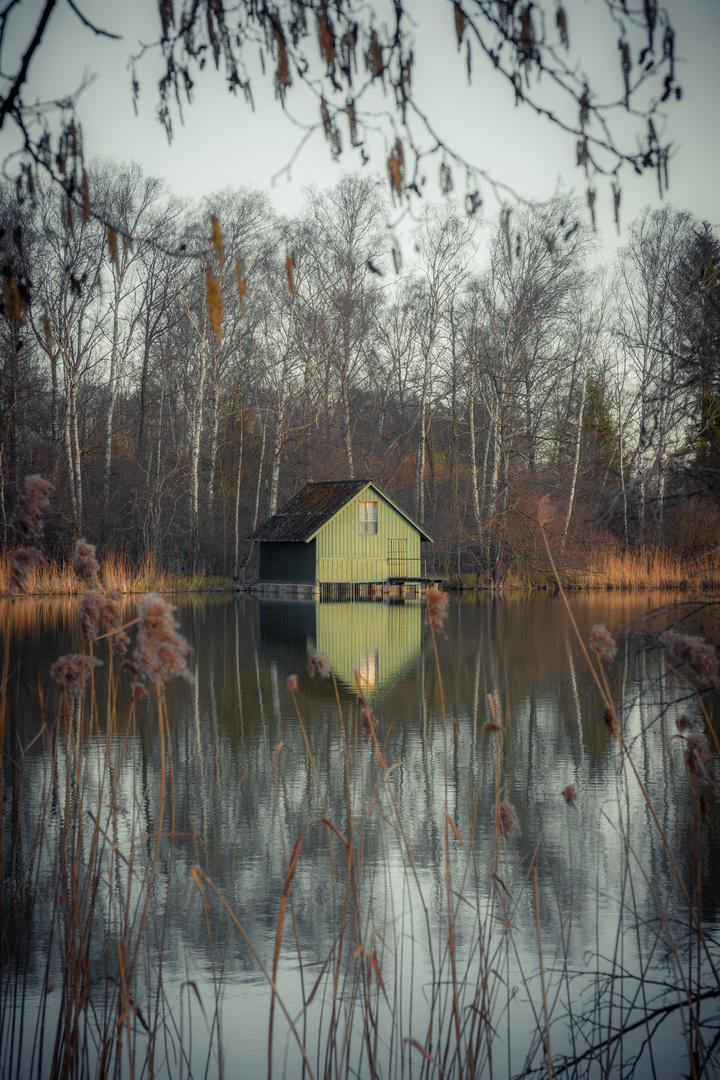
column 368, row 518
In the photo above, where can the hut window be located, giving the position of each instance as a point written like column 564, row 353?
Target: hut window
column 368, row 669
column 368, row 517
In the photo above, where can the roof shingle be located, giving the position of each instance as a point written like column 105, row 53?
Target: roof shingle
column 313, row 506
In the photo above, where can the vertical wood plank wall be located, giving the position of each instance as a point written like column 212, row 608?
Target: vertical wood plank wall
column 346, row 554
column 286, row 562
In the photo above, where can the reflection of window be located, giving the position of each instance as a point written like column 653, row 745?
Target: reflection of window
column 368, row 517
column 368, row 668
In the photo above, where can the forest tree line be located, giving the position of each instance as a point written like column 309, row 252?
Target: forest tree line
column 179, row 371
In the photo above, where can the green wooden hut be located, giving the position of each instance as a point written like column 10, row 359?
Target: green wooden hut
column 340, row 531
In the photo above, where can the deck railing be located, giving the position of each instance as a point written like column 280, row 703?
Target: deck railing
column 400, row 566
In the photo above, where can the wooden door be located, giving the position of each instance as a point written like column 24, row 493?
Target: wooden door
column 397, row 557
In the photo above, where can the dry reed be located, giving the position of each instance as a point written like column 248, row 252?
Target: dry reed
column 654, row 568
column 119, row 573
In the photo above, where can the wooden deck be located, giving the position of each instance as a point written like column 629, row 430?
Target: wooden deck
column 393, row 588
column 416, row 580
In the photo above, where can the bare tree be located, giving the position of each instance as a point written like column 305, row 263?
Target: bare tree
column 654, row 317
column 344, row 249
column 69, row 314
column 589, row 327
column 529, row 294
column 131, row 200
column 445, row 242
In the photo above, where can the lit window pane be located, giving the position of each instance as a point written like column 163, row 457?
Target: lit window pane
column 368, row 517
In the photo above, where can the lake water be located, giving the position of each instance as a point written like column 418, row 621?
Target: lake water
column 416, row 937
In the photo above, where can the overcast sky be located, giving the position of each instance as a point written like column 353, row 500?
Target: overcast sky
column 222, row 142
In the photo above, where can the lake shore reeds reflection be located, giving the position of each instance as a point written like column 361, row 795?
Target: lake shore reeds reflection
column 155, row 853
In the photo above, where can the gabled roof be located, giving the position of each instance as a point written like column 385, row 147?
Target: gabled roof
column 303, row 516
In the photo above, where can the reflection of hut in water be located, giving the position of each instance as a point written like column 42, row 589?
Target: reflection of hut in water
column 339, row 538
column 382, row 641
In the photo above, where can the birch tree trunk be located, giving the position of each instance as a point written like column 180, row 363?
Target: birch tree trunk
column 473, row 459
column 278, row 446
column 72, row 453
column 420, row 465
column 494, row 484
column 256, row 511
column 236, row 561
column 196, row 422
column 578, row 440
column 113, row 388
column 54, row 403
column 67, row 439
column 623, row 488
column 77, row 461
column 347, row 430
column 160, row 430
column 212, row 461
column 486, row 458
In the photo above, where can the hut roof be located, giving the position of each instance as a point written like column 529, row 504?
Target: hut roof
column 302, row 517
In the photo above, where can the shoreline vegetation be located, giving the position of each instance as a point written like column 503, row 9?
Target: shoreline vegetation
column 118, row 573
column 651, row 568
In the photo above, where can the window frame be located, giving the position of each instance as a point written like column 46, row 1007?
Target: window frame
column 368, row 522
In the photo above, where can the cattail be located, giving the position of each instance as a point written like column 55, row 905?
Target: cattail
column 214, row 304
column 367, row 720
column 545, row 511
column 698, row 758
column 507, row 818
column 700, row 656
column 610, row 721
column 318, row 664
column 34, row 498
column 91, row 609
column 570, row 795
column 603, row 643
column 24, row 559
column 160, row 651
column 492, row 727
column 119, row 640
column 436, row 610
column 85, row 565
column 292, row 683
column 71, row 672
column 138, row 688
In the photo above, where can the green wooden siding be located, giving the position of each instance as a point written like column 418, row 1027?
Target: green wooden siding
column 346, row 554
column 289, row 563
column 382, row 641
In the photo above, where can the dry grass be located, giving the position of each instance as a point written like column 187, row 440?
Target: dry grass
column 654, row 568
column 118, row 572
column 607, row 567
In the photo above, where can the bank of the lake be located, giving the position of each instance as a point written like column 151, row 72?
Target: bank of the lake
column 610, row 568
column 651, row 568
column 119, row 573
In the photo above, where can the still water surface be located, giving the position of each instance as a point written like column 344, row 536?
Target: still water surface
column 245, row 788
